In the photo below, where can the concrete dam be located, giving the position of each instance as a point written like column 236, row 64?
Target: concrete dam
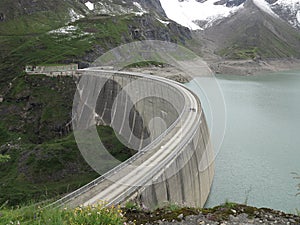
column 159, row 118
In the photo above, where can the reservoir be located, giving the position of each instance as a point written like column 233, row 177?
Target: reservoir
column 260, row 154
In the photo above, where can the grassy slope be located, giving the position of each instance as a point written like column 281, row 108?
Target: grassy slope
column 44, row 48
column 34, row 215
column 135, row 215
column 35, row 106
column 43, row 171
column 34, row 17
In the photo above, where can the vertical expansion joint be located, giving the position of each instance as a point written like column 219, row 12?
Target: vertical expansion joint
column 168, row 190
column 155, row 200
column 182, row 186
column 198, row 174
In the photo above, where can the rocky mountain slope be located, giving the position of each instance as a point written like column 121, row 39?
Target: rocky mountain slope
column 35, row 16
column 240, row 29
column 254, row 32
column 15, row 9
column 201, row 14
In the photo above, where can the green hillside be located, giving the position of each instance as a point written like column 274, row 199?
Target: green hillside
column 44, row 159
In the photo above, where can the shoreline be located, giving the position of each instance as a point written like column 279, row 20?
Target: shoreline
column 227, row 213
column 226, row 67
column 252, row 67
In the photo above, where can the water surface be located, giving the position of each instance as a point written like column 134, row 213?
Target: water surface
column 261, row 147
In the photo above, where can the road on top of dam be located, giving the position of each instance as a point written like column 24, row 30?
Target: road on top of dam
column 122, row 182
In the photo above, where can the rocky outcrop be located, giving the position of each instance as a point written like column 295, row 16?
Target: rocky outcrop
column 145, row 27
column 2, row 17
column 154, row 6
column 229, row 213
column 149, row 28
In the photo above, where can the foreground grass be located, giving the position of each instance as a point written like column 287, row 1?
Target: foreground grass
column 133, row 214
column 35, row 215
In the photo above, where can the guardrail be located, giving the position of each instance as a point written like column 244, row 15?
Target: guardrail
column 129, row 161
column 135, row 188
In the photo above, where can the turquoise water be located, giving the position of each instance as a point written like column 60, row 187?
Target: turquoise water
column 261, row 147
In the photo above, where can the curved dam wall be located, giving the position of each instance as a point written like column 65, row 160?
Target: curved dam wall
column 184, row 176
column 187, row 178
column 141, row 113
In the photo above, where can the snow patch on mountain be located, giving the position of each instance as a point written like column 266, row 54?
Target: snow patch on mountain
column 140, row 8
column 64, row 30
column 263, row 5
column 74, row 16
column 69, row 32
column 163, row 22
column 90, row 5
column 189, row 12
column 288, row 2
column 288, row 10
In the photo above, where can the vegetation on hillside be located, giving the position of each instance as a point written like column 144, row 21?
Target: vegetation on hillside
column 35, row 215
column 133, row 214
column 44, row 159
column 36, row 110
column 4, row 158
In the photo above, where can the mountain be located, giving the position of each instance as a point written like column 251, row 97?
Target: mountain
column 15, row 9
column 254, row 31
column 198, row 14
column 201, row 14
column 288, row 10
column 35, row 110
column 35, row 16
column 123, row 7
column 87, row 28
column 240, row 29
